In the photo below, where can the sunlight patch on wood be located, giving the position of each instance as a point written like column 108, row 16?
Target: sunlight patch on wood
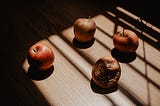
column 104, row 24
column 111, row 14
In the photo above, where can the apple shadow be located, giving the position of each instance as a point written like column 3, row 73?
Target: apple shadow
column 95, row 88
column 123, row 57
column 82, row 45
column 36, row 74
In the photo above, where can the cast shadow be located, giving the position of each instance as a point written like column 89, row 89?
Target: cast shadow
column 100, row 90
column 36, row 74
column 82, row 45
column 123, row 57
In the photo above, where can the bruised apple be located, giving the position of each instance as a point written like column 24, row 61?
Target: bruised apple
column 125, row 41
column 84, row 29
column 41, row 56
column 106, row 72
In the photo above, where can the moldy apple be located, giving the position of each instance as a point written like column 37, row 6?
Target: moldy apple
column 106, row 72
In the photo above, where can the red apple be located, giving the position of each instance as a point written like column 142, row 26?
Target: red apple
column 106, row 72
column 84, row 29
column 40, row 55
column 126, row 41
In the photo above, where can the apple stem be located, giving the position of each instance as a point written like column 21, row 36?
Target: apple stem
column 123, row 32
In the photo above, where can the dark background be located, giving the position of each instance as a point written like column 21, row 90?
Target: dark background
column 145, row 9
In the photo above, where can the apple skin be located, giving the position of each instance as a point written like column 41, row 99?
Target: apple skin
column 126, row 41
column 106, row 72
column 41, row 56
column 84, row 29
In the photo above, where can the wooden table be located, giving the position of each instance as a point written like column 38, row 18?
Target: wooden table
column 70, row 82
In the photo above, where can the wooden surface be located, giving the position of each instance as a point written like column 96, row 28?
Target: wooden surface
column 70, row 82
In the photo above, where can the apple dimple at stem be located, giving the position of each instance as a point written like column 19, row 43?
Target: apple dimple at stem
column 122, row 34
column 35, row 50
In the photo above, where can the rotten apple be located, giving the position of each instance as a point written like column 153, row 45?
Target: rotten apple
column 84, row 29
column 106, row 72
column 41, row 56
column 126, row 41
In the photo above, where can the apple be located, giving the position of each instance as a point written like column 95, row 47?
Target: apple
column 106, row 72
column 84, row 29
column 126, row 41
column 41, row 56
